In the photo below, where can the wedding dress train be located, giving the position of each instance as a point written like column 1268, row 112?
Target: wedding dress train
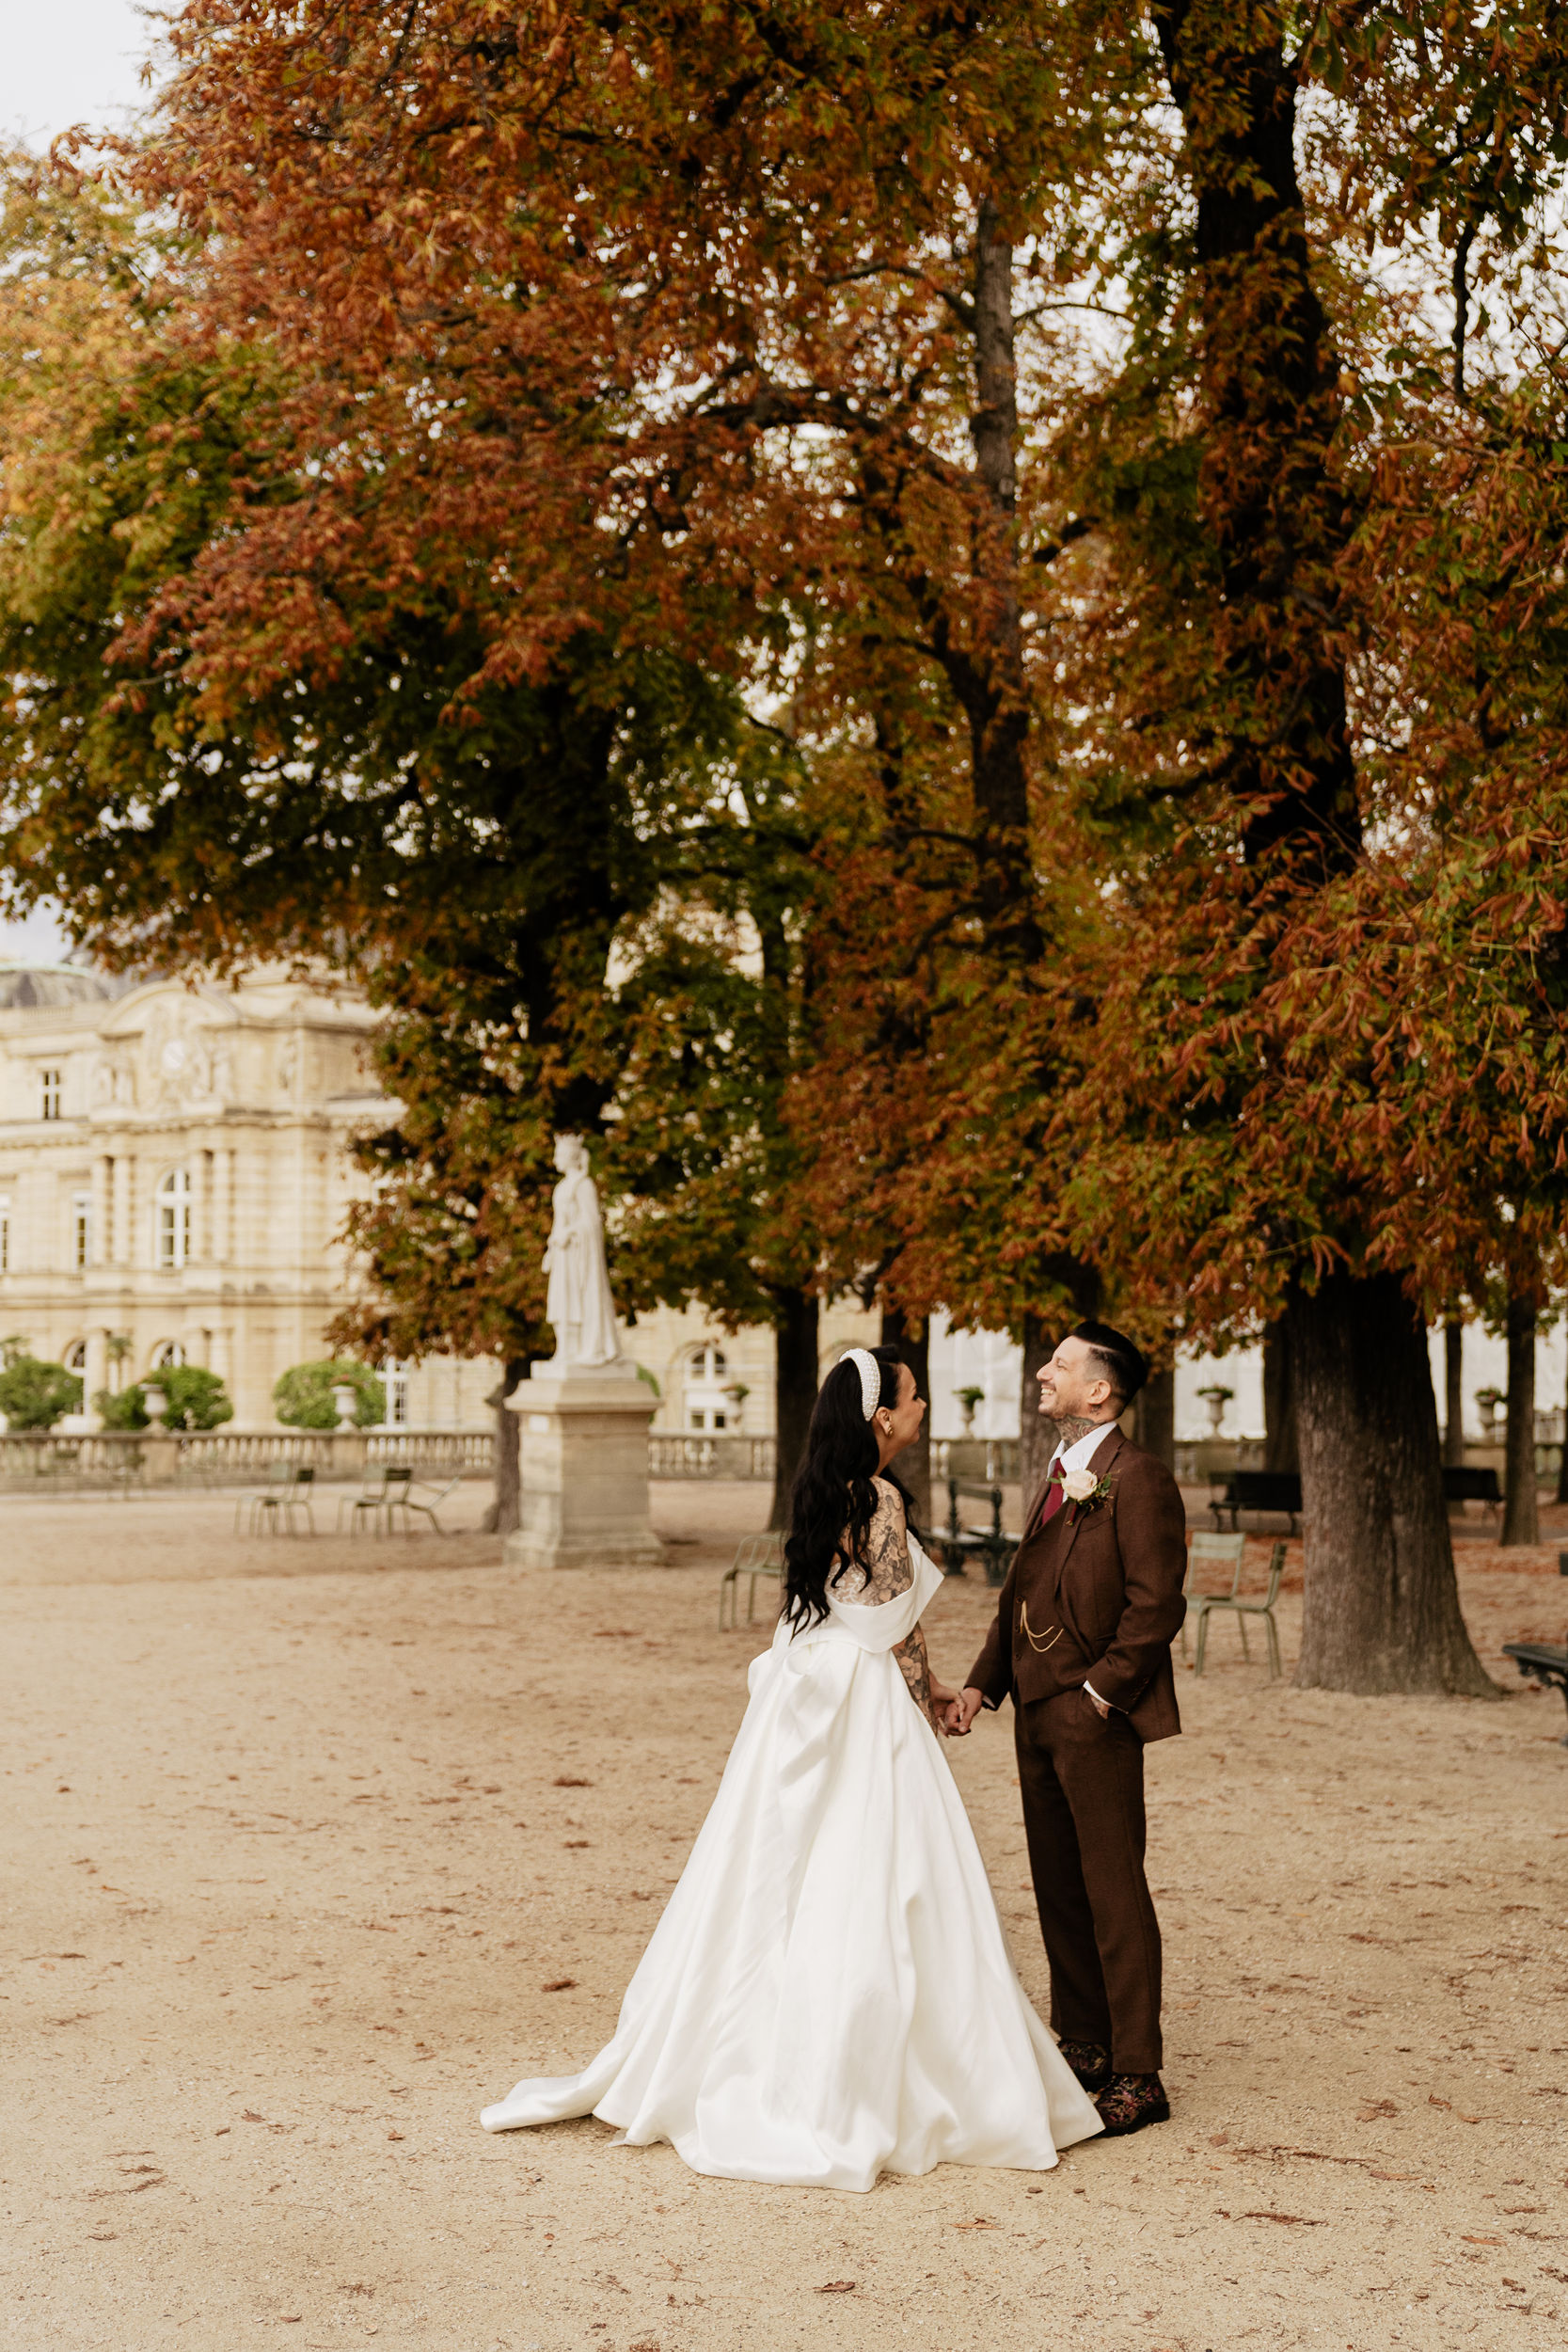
column 829, row 1994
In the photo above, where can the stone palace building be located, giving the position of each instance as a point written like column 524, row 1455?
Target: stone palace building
column 174, row 1175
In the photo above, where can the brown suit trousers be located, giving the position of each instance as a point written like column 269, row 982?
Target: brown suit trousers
column 1082, row 1782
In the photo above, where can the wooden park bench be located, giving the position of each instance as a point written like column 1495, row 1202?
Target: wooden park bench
column 1258, row 1491
column 1472, row 1486
column 988, row 1542
column 1545, row 1662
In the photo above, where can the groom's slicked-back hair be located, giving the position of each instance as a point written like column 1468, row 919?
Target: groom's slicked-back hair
column 1122, row 1364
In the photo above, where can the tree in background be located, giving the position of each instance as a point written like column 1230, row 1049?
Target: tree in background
column 303, row 1395
column 34, row 1394
column 466, row 850
column 197, row 1400
column 454, row 1229
column 716, row 1015
column 1302, row 892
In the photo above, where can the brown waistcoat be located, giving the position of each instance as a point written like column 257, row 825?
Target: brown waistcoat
column 1095, row 1596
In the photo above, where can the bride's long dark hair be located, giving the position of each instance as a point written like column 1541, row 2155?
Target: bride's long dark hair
column 834, row 1500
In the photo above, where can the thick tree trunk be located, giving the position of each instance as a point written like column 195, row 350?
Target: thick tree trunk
column 1154, row 1417
column 505, row 1513
column 1281, row 1439
column 911, row 1336
column 1267, row 489
column 1453, row 1392
column 1036, row 1436
column 796, row 1315
column 987, row 673
column 1521, row 1519
column 1382, row 1607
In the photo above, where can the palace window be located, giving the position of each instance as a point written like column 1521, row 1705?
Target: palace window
column 51, row 1085
column 167, row 1356
column 81, row 1231
column 173, row 1210
column 706, row 1404
column 394, row 1375
column 5, row 1233
column 75, row 1359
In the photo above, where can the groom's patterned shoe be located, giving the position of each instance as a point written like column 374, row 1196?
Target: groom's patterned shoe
column 1131, row 2101
column 1089, row 2062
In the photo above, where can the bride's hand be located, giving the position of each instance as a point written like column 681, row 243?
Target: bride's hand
column 942, row 1700
column 965, row 1706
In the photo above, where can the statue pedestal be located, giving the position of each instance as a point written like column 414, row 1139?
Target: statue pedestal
column 584, row 1469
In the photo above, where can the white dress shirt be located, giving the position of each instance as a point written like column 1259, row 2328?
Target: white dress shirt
column 1077, row 1455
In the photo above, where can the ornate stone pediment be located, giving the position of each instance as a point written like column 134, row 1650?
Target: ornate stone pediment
column 170, row 1051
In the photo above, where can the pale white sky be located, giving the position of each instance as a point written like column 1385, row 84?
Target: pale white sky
column 67, row 61
column 63, row 62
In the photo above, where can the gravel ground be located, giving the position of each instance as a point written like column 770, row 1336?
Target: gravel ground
column 316, row 1846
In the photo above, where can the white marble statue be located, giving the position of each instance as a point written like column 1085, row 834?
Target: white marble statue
column 579, row 1304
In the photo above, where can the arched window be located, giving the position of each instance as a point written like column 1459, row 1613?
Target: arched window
column 173, row 1213
column 705, row 1403
column 167, row 1356
column 75, row 1356
column 5, row 1233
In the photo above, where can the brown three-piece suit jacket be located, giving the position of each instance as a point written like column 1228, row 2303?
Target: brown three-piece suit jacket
column 1095, row 1596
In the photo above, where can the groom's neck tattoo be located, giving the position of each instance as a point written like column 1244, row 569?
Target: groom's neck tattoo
column 1070, row 1431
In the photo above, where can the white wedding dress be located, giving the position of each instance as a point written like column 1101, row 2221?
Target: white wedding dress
column 829, row 1994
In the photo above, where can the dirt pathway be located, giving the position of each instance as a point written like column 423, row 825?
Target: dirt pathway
column 299, row 1837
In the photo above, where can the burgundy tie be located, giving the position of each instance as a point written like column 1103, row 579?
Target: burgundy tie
column 1055, row 1497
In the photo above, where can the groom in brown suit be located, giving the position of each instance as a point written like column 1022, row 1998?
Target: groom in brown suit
column 1082, row 1645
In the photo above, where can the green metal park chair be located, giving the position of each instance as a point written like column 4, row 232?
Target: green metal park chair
column 272, row 1510
column 1210, row 1560
column 382, row 1491
column 755, row 1555
column 1243, row 1606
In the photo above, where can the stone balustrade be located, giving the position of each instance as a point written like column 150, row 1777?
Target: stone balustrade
column 111, row 1459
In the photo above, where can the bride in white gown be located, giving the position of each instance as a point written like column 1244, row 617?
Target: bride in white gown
column 829, row 1994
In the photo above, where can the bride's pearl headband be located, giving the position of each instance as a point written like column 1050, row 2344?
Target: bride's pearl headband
column 871, row 1376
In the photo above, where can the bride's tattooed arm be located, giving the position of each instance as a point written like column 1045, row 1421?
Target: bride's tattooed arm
column 915, row 1667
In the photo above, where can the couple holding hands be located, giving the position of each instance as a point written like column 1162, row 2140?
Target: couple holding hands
column 829, row 1994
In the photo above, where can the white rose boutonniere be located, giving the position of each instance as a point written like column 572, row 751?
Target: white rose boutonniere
column 1082, row 1489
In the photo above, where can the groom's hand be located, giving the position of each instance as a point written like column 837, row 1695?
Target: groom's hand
column 941, row 1703
column 963, row 1711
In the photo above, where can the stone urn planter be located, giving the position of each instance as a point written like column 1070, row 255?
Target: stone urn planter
column 1216, row 1399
